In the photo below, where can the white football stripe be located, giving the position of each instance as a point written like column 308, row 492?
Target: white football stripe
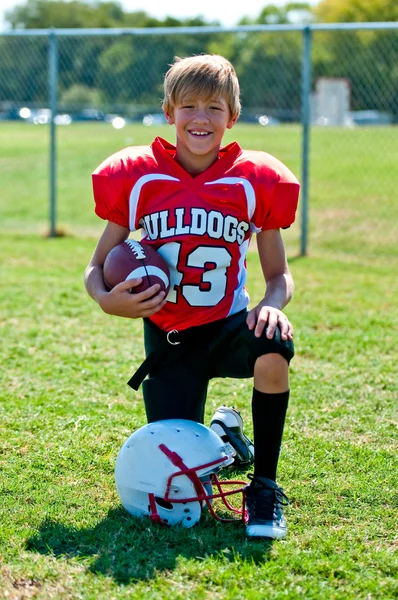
column 149, row 270
column 136, row 192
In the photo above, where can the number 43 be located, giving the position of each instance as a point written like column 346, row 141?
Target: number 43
column 212, row 287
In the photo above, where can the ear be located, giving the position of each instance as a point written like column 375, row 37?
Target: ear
column 232, row 122
column 169, row 117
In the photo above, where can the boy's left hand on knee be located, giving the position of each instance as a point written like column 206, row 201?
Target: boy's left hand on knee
column 271, row 318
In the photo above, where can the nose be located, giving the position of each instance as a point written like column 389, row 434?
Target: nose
column 200, row 116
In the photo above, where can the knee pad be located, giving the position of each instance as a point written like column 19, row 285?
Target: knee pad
column 262, row 345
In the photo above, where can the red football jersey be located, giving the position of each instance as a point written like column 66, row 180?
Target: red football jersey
column 201, row 225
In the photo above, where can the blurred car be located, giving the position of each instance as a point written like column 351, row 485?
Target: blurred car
column 155, row 119
column 63, row 119
column 15, row 114
column 370, row 117
column 42, row 116
column 116, row 121
column 88, row 114
column 265, row 120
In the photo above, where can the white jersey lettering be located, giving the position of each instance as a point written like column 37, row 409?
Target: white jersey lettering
column 199, row 222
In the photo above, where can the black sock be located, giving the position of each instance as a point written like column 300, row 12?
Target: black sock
column 269, row 412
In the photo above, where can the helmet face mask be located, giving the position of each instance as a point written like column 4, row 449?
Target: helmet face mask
column 167, row 470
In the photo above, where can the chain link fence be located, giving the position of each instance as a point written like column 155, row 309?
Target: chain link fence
column 323, row 99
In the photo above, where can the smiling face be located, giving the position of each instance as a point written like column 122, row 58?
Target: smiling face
column 200, row 124
column 202, row 100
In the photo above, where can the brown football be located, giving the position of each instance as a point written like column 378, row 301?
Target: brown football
column 132, row 259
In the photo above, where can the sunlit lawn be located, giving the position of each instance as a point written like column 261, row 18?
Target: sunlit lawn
column 66, row 409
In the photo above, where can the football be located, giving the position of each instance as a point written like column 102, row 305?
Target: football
column 130, row 260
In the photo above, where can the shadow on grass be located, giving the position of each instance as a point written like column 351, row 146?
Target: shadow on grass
column 129, row 549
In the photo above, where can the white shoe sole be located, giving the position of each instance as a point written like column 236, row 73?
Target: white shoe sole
column 224, row 422
column 266, row 531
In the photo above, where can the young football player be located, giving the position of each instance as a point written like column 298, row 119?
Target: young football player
column 198, row 203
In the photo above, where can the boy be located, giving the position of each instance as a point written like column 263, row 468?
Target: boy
column 198, row 203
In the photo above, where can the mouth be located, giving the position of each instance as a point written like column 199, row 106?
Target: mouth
column 201, row 134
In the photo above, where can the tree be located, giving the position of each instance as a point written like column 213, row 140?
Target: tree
column 127, row 71
column 268, row 68
column 42, row 14
column 353, row 11
column 360, row 56
column 81, row 96
column 111, row 69
column 23, row 72
column 291, row 12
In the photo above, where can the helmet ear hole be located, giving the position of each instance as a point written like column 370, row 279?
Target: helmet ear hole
column 163, row 503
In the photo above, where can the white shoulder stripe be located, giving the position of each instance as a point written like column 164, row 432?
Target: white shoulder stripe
column 249, row 191
column 135, row 192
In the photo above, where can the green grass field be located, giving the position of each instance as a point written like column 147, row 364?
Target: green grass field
column 66, row 409
column 353, row 179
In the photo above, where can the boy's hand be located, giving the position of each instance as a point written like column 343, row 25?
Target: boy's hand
column 267, row 316
column 123, row 303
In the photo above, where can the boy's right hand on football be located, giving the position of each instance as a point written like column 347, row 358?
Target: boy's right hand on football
column 121, row 301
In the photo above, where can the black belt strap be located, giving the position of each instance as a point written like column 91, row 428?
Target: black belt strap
column 179, row 342
column 152, row 359
column 143, row 370
column 178, row 346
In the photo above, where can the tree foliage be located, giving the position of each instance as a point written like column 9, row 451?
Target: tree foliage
column 42, row 14
column 61, row 14
column 356, row 11
column 281, row 15
column 126, row 71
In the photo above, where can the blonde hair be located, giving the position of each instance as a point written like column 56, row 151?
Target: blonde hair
column 203, row 75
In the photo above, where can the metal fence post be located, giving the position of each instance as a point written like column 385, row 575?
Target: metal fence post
column 306, row 123
column 52, row 98
column 365, row 60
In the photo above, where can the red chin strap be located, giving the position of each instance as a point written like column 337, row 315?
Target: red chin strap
column 155, row 517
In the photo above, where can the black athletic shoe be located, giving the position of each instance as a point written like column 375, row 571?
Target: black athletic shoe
column 264, row 501
column 228, row 424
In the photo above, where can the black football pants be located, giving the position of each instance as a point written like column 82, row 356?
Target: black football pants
column 177, row 384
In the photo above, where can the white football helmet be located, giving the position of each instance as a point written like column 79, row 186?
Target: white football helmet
column 166, row 470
